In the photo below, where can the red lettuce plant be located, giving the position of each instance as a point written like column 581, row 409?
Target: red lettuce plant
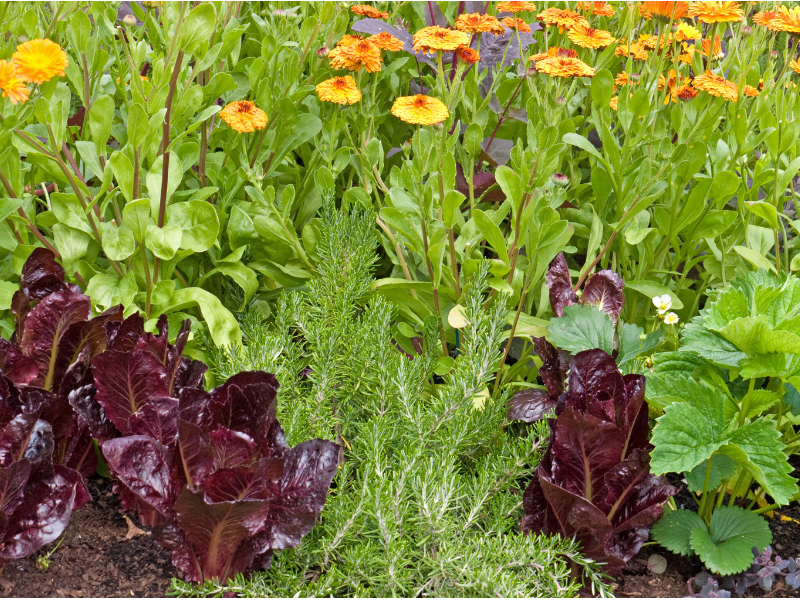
column 210, row 471
column 594, row 480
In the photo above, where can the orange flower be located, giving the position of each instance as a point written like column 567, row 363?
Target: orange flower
column 784, row 19
column 716, row 86
column 600, row 9
column 717, row 54
column 419, row 110
column 365, row 10
column 243, row 116
column 751, row 92
column 13, row 87
column 38, row 61
column 634, row 50
column 348, row 39
column 670, row 82
column 644, row 12
column 765, row 18
column 715, row 12
column 554, row 51
column 386, row 41
column 468, row 55
column 614, row 102
column 795, row 66
column 650, row 41
column 142, row 77
column 586, row 37
column 564, row 67
column 561, row 18
column 433, row 38
column 624, row 79
column 519, row 24
column 515, row 7
column 687, row 32
column 686, row 92
column 687, row 54
column 341, row 90
column 663, row 11
column 353, row 56
column 478, row 23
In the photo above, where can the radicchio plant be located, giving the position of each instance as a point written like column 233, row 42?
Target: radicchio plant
column 594, row 480
column 210, row 471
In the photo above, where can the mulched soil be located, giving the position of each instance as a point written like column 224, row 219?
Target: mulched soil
column 96, row 559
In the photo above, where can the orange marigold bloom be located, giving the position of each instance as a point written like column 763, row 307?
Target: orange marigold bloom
column 38, row 61
column 663, row 11
column 686, row 92
column 243, row 116
column 365, row 10
column 519, row 24
column 13, row 87
column 623, row 79
column 687, row 32
column 554, row 51
column 717, row 54
column 785, row 19
column 341, row 90
column 433, row 38
column 348, row 39
column 650, row 41
column 561, row 18
column 716, row 86
column 468, row 55
column 751, row 92
column 386, row 41
column 478, row 23
column 644, row 12
column 564, row 67
column 420, row 110
column 765, row 18
column 587, row 37
column 634, row 50
column 687, row 54
column 614, row 102
column 670, row 82
column 716, row 12
column 794, row 65
column 356, row 55
column 600, row 9
column 515, row 7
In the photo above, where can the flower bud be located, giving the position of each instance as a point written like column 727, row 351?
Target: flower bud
column 674, row 27
column 561, row 101
column 746, row 31
column 150, row 4
column 774, row 54
column 532, row 72
column 129, row 20
column 560, row 179
column 323, row 52
column 635, row 77
column 438, row 126
column 278, row 12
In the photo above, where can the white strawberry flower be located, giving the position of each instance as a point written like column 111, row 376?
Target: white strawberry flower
column 670, row 318
column 662, row 303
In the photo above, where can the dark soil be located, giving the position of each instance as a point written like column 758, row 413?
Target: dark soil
column 96, row 558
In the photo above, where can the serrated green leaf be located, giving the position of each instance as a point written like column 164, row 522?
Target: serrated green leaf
column 673, row 531
column 726, row 547
column 722, row 467
column 582, row 328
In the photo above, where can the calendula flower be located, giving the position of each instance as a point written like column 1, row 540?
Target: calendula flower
column 634, row 50
column 716, row 86
column 670, row 83
column 623, row 79
column 687, row 32
column 717, row 54
column 786, row 19
column 386, row 41
column 715, row 12
column 662, row 303
column 651, row 41
column 600, row 9
column 795, row 66
column 244, row 116
column 433, row 38
column 564, row 67
column 664, row 11
column 37, row 61
column 516, row 7
column 687, row 54
column 365, row 10
column 13, row 87
column 348, row 39
column 468, row 55
column 478, row 23
column 518, row 24
column 614, row 102
column 355, row 55
column 554, row 51
column 765, row 18
column 686, row 92
column 341, row 90
column 644, row 12
column 561, row 18
column 420, row 110
column 750, row 91
column 587, row 37
column 670, row 318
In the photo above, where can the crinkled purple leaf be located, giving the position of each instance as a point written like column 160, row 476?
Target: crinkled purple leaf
column 157, row 344
column 41, row 275
column 91, row 414
column 216, row 530
column 604, row 290
column 197, row 457
column 77, row 452
column 529, row 405
column 9, row 399
column 170, row 537
column 183, row 372
column 26, row 436
column 538, row 517
column 122, row 337
column 246, row 403
column 51, row 408
column 12, row 485
column 375, row 26
column 77, row 375
column 559, row 283
column 552, row 372
column 84, row 334
column 143, row 465
column 308, row 472
column 232, row 448
column 43, row 514
column 45, row 327
column 125, row 382
column 595, row 378
column 15, row 365
column 195, row 407
column 257, row 482
column 157, row 419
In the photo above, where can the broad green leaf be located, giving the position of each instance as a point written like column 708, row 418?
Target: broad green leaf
column 709, row 344
column 118, row 242
column 724, row 187
column 758, row 260
column 492, row 234
column 582, row 328
column 244, row 276
column 7, row 290
column 765, row 211
column 198, row 221
column 123, row 172
column 71, row 243
column 581, row 142
column 221, row 323
column 163, row 241
column 510, row 183
column 674, row 529
column 726, row 547
column 153, row 180
column 722, row 467
column 198, row 27
column 136, row 216
column 651, row 289
column 138, row 125
column 101, row 116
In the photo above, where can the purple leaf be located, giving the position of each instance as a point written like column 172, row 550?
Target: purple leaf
column 604, row 290
column 12, row 485
column 231, row 448
column 158, row 419
column 554, row 368
column 559, row 283
column 529, row 405
column 91, row 414
column 15, row 365
column 122, row 337
column 28, row 437
column 259, row 481
column 196, row 453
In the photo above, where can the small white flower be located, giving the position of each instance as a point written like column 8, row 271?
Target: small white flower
column 670, row 318
column 642, row 336
column 662, row 303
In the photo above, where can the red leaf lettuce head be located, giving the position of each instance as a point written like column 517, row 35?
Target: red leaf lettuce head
column 603, row 290
column 594, row 480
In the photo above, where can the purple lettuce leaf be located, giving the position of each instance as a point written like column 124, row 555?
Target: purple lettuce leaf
column 158, row 419
column 27, row 437
column 15, row 365
column 12, row 485
column 122, row 336
column 604, row 290
column 559, row 283
column 41, row 276
column 529, row 405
